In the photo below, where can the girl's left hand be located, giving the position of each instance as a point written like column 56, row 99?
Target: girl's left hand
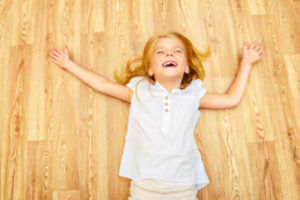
column 252, row 53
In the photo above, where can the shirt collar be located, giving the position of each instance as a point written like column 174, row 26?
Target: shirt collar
column 173, row 91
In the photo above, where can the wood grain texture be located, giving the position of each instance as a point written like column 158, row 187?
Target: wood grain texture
column 60, row 139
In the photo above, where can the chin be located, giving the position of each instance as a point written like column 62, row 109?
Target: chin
column 172, row 75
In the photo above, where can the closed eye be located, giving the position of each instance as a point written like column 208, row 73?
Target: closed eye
column 177, row 50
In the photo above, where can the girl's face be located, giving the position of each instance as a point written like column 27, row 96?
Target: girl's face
column 168, row 59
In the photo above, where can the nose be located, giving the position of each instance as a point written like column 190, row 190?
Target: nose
column 169, row 53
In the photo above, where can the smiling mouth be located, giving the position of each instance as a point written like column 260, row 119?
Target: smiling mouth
column 170, row 64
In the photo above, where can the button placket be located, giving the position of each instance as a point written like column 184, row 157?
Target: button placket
column 166, row 115
column 166, row 106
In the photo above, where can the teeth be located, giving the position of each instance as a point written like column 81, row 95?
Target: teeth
column 170, row 63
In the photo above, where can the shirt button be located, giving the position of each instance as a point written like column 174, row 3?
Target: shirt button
column 166, row 103
column 166, row 110
column 166, row 97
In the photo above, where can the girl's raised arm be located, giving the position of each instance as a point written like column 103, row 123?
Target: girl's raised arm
column 233, row 96
column 92, row 79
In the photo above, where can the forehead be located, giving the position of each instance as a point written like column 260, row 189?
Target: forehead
column 169, row 42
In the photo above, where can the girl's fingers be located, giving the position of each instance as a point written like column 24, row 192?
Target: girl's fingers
column 258, row 47
column 54, row 57
column 255, row 44
column 56, row 60
column 255, row 47
column 57, row 49
column 53, row 53
column 56, row 53
column 252, row 45
column 260, row 50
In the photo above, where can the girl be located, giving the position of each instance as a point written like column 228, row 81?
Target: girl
column 164, row 87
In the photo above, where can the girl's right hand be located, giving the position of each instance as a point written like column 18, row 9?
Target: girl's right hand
column 60, row 57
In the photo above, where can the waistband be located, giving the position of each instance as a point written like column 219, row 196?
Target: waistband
column 154, row 185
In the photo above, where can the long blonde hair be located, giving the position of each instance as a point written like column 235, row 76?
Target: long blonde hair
column 139, row 66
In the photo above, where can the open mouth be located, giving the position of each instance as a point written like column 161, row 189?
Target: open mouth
column 169, row 64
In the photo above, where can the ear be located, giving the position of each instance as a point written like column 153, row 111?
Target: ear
column 150, row 71
column 187, row 69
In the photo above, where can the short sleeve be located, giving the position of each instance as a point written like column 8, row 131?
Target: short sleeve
column 198, row 89
column 133, row 82
column 202, row 90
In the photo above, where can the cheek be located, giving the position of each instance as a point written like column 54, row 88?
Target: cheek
column 152, row 61
column 155, row 60
column 184, row 60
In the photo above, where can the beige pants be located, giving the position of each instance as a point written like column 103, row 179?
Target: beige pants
column 149, row 189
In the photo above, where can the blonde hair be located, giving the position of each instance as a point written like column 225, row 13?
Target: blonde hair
column 139, row 66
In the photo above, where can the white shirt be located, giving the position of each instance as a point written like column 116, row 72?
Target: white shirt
column 159, row 142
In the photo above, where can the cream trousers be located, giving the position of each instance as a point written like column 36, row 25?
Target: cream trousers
column 149, row 189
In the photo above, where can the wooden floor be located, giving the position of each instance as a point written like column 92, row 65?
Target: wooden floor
column 60, row 139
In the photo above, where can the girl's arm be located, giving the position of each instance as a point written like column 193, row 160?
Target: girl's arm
column 235, row 93
column 92, row 79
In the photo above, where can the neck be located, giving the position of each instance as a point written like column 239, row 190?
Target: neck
column 170, row 84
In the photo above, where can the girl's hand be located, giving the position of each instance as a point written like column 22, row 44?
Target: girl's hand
column 60, row 57
column 252, row 53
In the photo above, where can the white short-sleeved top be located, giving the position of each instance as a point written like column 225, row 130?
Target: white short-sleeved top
column 159, row 142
